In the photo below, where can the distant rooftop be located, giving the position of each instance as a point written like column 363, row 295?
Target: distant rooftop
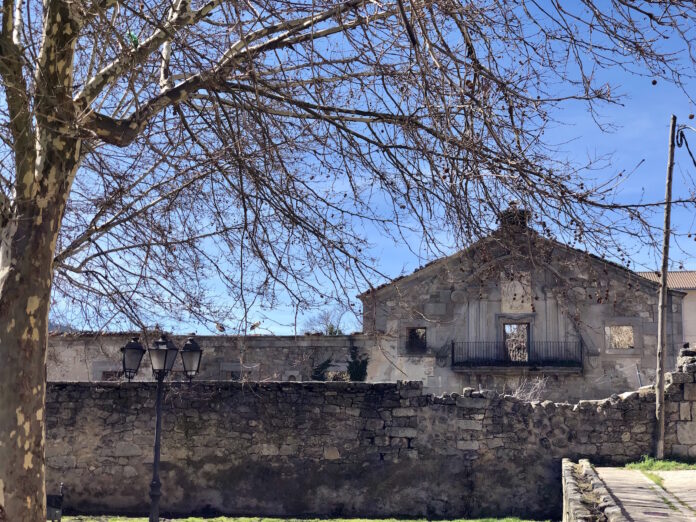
column 679, row 280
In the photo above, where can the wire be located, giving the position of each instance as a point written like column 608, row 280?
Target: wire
column 681, row 140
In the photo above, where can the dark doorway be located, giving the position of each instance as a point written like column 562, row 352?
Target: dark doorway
column 516, row 339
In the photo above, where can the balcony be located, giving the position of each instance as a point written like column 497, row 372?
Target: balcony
column 534, row 354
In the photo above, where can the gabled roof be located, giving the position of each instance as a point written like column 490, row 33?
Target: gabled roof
column 647, row 281
column 679, row 280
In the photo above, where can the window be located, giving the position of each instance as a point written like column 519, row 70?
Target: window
column 240, row 372
column 242, row 375
column 416, row 340
column 619, row 337
column 111, row 375
column 516, row 339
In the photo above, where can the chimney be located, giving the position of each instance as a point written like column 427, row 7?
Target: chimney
column 514, row 217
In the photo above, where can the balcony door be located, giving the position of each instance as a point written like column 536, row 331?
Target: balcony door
column 516, row 341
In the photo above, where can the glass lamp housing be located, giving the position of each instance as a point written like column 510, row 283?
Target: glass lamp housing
column 132, row 355
column 162, row 355
column 191, row 357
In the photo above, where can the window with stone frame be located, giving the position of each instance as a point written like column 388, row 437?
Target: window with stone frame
column 619, row 337
column 416, row 341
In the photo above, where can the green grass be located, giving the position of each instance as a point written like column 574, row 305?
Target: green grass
column 233, row 519
column 657, row 479
column 651, row 464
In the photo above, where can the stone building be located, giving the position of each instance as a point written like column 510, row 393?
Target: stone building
column 519, row 313
column 683, row 281
column 515, row 312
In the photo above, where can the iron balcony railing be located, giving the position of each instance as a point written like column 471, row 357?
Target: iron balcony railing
column 538, row 353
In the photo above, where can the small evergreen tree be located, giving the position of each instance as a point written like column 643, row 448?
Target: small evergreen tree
column 357, row 365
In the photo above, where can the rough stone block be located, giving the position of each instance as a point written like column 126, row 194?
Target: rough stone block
column 374, row 424
column 685, row 411
column 62, row 462
column 398, row 442
column 382, row 441
column 679, row 377
column 494, row 443
column 467, row 445
column 469, row 424
column 690, row 391
column 331, row 453
column 403, row 432
column 686, row 432
column 470, row 402
column 268, row 449
column 680, row 450
column 125, row 449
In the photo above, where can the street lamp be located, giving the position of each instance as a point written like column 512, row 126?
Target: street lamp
column 162, row 357
column 132, row 355
column 191, row 357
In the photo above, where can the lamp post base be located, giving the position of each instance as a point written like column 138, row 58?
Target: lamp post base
column 155, row 494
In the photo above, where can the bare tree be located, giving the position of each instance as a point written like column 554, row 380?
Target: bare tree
column 326, row 322
column 156, row 152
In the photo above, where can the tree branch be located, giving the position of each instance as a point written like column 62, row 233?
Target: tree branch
column 113, row 70
column 17, row 97
column 122, row 132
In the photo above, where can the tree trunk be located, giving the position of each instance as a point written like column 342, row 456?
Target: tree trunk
column 26, row 267
column 27, row 245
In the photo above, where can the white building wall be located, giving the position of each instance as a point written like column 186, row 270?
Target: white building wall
column 689, row 317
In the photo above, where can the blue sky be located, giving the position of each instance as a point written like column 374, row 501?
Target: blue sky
column 638, row 143
column 639, row 138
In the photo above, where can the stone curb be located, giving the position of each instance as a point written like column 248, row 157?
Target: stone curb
column 607, row 503
column 573, row 507
column 575, row 504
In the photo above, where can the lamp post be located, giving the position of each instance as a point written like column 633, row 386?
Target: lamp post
column 162, row 357
column 678, row 138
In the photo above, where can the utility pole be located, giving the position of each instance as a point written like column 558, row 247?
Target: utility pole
column 662, row 309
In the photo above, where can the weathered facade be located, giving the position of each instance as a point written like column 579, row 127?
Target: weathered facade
column 517, row 307
column 516, row 312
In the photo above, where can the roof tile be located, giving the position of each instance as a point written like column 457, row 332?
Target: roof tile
column 679, row 280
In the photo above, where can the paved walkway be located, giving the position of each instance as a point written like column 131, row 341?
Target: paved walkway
column 643, row 500
column 682, row 484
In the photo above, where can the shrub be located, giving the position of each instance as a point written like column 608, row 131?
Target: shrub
column 357, row 365
column 319, row 371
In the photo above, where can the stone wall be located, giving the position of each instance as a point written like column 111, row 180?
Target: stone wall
column 343, row 449
column 89, row 357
